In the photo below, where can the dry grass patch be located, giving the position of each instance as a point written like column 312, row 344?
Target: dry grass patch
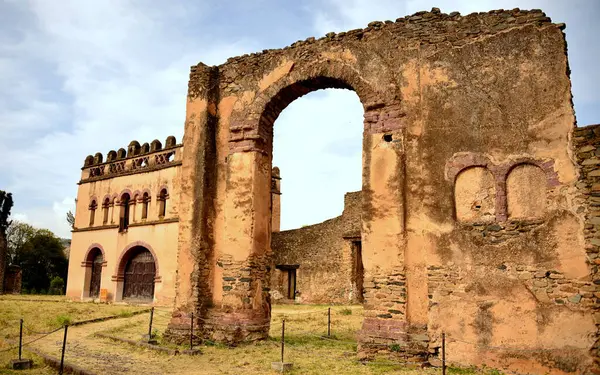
column 43, row 316
column 306, row 345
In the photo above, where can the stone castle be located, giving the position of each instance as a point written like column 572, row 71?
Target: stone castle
column 477, row 217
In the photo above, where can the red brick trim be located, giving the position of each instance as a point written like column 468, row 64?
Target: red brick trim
column 87, row 260
column 465, row 160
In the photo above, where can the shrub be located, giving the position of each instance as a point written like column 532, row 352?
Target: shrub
column 63, row 320
column 57, row 285
column 125, row 313
column 346, row 311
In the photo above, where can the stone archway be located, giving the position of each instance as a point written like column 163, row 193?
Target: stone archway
column 232, row 187
column 432, row 86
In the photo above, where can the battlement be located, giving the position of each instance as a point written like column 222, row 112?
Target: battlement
column 137, row 158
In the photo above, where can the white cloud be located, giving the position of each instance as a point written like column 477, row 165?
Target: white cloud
column 81, row 77
column 118, row 73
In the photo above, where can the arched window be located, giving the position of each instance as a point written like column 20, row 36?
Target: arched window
column 145, row 203
column 162, row 203
column 526, row 191
column 105, row 206
column 93, row 207
column 475, row 195
column 132, row 211
column 124, row 214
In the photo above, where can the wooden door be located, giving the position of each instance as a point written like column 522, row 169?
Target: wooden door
column 291, row 284
column 139, row 277
column 96, row 275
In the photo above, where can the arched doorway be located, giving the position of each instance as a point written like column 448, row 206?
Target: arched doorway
column 139, row 274
column 93, row 262
column 242, row 188
column 97, row 261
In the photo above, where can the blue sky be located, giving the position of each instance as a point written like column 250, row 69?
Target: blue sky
column 79, row 76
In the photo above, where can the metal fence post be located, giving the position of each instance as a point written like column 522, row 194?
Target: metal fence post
column 20, row 338
column 62, row 356
column 192, row 332
column 282, row 339
column 443, row 353
column 329, row 322
column 150, row 324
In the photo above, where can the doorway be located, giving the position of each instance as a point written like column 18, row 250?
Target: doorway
column 140, row 272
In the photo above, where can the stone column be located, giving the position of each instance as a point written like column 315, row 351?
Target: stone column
column 196, row 213
column 242, row 309
column 383, row 232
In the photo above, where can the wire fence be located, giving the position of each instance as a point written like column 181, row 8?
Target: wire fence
column 294, row 337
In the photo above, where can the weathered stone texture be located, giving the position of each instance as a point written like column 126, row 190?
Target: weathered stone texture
column 324, row 253
column 13, row 280
column 586, row 143
column 441, row 94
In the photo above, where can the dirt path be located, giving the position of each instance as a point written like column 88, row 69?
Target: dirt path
column 309, row 355
column 104, row 356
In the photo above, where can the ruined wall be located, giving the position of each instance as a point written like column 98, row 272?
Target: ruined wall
column 13, row 280
column 469, row 213
column 324, row 253
column 586, row 143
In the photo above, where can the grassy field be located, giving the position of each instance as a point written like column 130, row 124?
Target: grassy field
column 307, row 344
column 43, row 314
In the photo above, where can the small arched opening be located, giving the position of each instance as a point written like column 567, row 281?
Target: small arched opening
column 93, row 263
column 105, row 207
column 124, row 212
column 162, row 202
column 93, row 207
column 145, row 203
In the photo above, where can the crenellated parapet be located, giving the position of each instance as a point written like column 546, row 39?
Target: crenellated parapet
column 135, row 158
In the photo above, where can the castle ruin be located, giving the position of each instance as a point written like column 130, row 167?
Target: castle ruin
column 478, row 212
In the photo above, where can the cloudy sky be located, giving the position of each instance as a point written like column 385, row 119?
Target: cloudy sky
column 79, row 76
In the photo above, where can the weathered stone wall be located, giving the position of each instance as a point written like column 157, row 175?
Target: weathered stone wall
column 13, row 280
column 587, row 153
column 441, row 94
column 324, row 253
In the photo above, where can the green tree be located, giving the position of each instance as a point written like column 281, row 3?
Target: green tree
column 6, row 203
column 17, row 235
column 57, row 285
column 41, row 258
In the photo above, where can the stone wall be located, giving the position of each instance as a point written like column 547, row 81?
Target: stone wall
column 324, row 253
column 445, row 249
column 586, row 142
column 13, row 279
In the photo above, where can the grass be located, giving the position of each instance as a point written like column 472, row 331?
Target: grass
column 307, row 345
column 45, row 316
